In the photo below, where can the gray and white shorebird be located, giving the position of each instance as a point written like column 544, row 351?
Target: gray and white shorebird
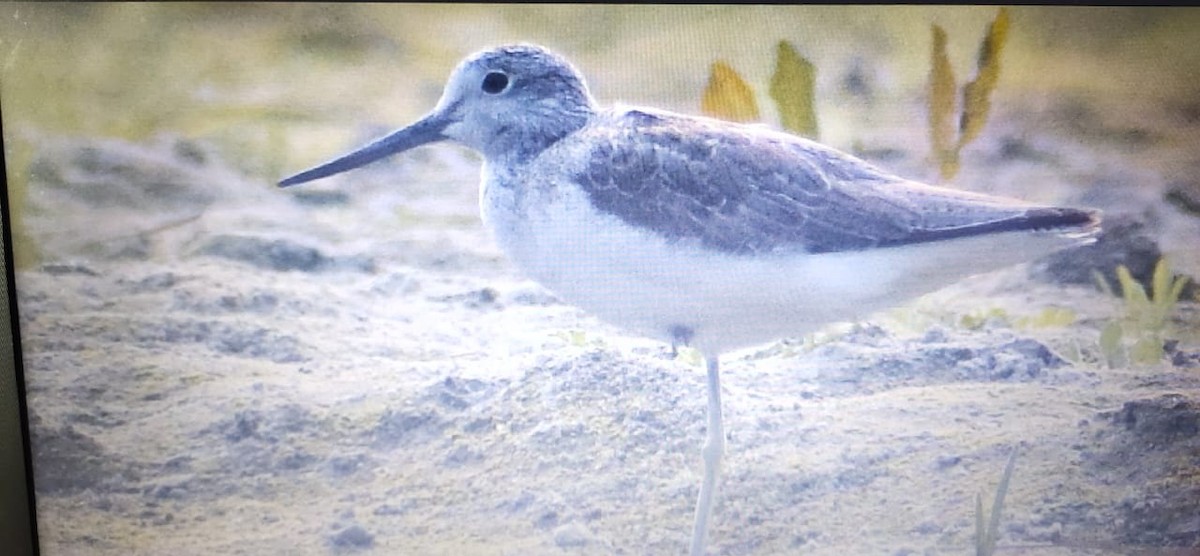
column 702, row 232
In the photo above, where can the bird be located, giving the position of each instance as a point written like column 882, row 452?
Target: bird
column 701, row 232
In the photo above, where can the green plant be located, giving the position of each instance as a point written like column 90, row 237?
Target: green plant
column 576, row 338
column 976, row 95
column 1137, row 335
column 976, row 320
column 793, row 89
column 1050, row 317
column 792, row 86
column 690, row 355
column 986, row 536
column 728, row 96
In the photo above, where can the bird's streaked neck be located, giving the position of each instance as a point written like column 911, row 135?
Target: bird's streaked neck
column 519, row 142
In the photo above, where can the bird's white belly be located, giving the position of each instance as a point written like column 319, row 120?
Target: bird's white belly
column 639, row 280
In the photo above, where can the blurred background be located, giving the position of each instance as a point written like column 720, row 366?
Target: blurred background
column 279, row 86
column 274, row 88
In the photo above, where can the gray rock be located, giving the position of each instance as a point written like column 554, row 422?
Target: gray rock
column 280, row 255
column 352, row 537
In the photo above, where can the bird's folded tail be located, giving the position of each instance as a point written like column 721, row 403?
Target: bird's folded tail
column 1071, row 223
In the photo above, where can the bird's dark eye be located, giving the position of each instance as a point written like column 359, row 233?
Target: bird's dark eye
column 494, row 82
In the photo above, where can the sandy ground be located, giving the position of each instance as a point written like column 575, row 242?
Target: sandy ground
column 218, row 367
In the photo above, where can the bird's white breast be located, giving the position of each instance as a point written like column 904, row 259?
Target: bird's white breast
column 639, row 280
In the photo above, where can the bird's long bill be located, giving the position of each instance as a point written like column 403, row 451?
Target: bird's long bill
column 426, row 130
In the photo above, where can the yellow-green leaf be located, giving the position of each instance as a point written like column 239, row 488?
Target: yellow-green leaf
column 1110, row 343
column 1134, row 293
column 948, row 164
column 942, row 106
column 977, row 94
column 727, row 96
column 1160, row 282
column 1147, row 351
column 1176, row 290
column 792, row 89
column 1050, row 317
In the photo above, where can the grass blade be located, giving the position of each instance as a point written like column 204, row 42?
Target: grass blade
column 986, row 538
column 1110, row 343
column 1176, row 290
column 998, row 502
column 942, row 106
column 1160, row 282
column 980, row 532
column 977, row 94
column 1134, row 293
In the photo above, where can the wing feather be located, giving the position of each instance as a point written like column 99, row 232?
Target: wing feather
column 743, row 190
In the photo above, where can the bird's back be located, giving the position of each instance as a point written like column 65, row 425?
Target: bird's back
column 747, row 190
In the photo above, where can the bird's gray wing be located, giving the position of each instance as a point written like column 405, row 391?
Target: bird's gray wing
column 740, row 190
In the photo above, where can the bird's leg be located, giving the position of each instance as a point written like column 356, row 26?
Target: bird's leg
column 714, row 448
column 680, row 336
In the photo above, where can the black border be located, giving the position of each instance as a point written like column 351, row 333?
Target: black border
column 18, row 521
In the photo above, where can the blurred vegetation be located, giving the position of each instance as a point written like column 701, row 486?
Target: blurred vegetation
column 942, row 106
column 578, row 338
column 135, row 71
column 987, row 535
column 1049, row 317
column 144, row 72
column 976, row 95
column 728, row 96
column 792, row 87
column 278, row 86
column 1137, row 336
